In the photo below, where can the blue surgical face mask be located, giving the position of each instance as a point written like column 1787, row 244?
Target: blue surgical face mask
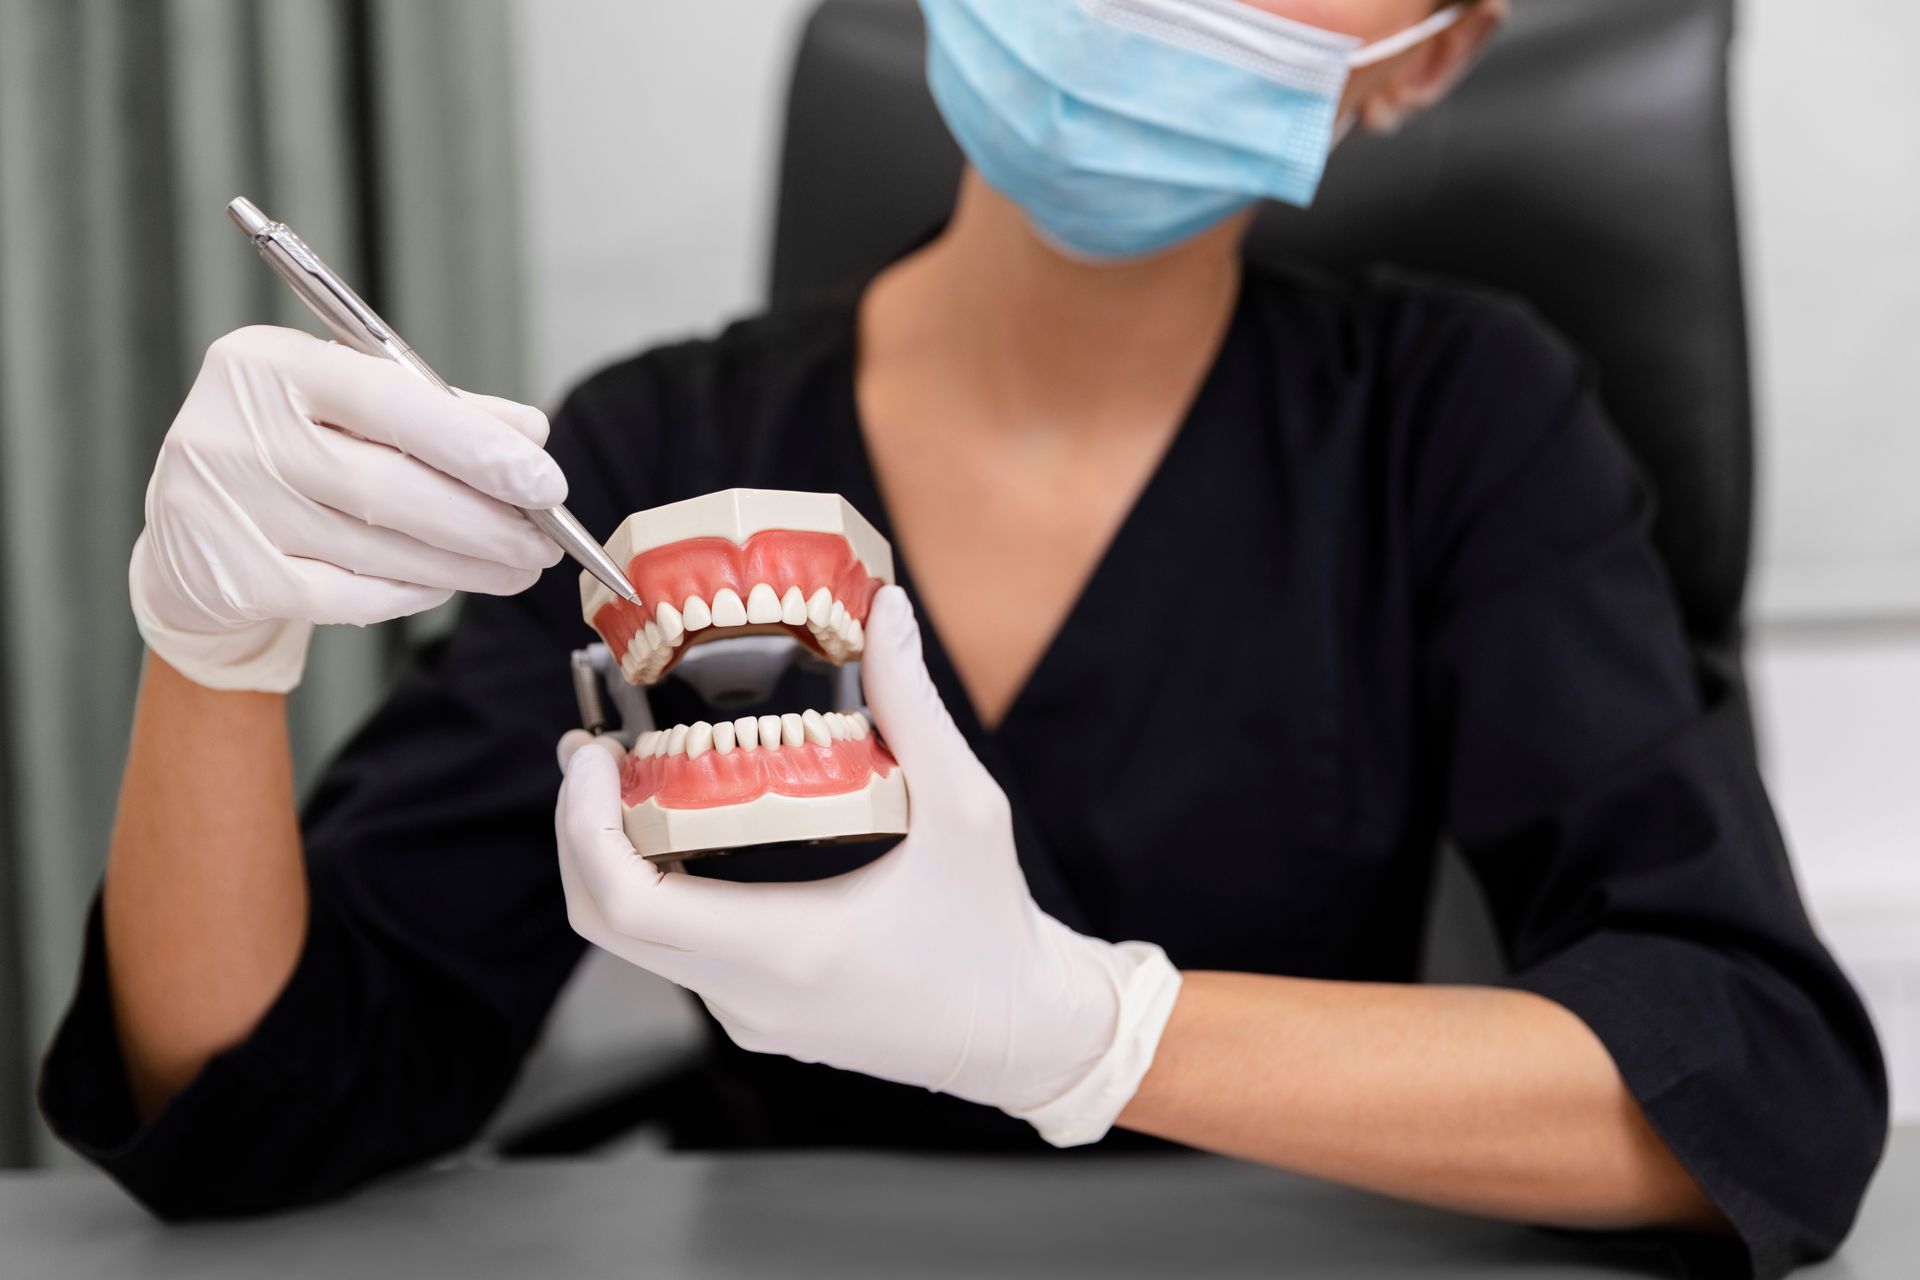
column 1123, row 127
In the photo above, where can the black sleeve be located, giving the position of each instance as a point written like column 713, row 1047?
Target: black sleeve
column 1606, row 793
column 437, row 936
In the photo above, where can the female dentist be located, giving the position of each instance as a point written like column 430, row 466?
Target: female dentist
column 1238, row 588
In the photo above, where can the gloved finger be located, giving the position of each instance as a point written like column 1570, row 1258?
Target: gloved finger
column 309, row 531
column 639, row 900
column 769, row 927
column 381, row 401
column 586, row 919
column 529, row 421
column 570, row 741
column 583, row 913
column 624, row 885
column 574, row 739
column 330, row 595
column 907, row 708
column 377, row 484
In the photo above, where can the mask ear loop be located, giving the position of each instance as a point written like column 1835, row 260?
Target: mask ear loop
column 1419, row 33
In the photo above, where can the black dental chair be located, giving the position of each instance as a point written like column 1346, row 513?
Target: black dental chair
column 1584, row 167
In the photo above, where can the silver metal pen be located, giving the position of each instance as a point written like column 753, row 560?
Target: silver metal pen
column 356, row 325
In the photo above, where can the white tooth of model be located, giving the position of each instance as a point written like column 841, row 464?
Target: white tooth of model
column 793, row 608
column 763, row 606
column 801, row 770
column 672, row 629
column 727, row 609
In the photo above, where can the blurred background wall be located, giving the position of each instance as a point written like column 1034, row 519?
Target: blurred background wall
column 620, row 173
column 649, row 137
column 1828, row 111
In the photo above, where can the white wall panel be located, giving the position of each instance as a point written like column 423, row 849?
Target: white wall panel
column 650, row 132
column 1829, row 119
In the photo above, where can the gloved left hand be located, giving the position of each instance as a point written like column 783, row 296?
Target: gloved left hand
column 930, row 966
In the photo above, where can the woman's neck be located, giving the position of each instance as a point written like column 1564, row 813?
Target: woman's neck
column 1031, row 337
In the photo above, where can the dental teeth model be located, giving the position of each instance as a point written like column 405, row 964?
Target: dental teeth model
column 747, row 562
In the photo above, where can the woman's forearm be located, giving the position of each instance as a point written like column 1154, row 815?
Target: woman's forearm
column 205, row 903
column 1485, row 1101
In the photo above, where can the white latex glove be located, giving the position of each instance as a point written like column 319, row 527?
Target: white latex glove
column 305, row 483
column 930, row 966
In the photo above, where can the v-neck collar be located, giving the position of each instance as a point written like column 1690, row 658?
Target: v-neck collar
column 862, row 488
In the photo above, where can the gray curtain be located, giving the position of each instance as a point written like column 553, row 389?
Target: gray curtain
column 383, row 131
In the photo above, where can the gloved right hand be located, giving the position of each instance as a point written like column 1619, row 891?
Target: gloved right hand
column 305, row 483
column 931, row 965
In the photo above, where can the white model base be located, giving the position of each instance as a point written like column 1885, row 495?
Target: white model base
column 670, row 835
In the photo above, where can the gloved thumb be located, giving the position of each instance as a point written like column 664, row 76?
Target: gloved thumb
column 574, row 739
column 905, row 705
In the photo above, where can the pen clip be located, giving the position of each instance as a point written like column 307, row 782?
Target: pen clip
column 289, row 242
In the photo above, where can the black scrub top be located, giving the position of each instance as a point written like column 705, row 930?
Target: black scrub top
column 1391, row 585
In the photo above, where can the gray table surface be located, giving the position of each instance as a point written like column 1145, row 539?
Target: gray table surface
column 853, row 1215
